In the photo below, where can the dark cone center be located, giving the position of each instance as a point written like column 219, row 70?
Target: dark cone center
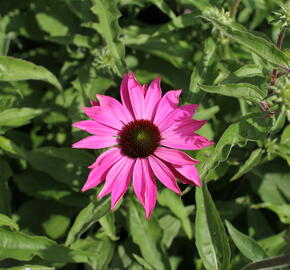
column 139, row 139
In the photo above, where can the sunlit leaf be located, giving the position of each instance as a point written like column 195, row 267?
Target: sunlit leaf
column 211, row 238
column 147, row 234
column 248, row 246
column 13, row 69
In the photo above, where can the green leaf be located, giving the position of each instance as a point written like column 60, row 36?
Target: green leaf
column 258, row 45
column 275, row 187
column 108, row 224
column 248, row 246
column 30, row 267
column 244, row 91
column 258, row 225
column 11, row 147
column 16, row 117
column 65, row 165
column 285, row 137
column 86, row 218
column 142, row 262
column 102, row 247
column 56, row 226
column 251, row 127
column 147, row 234
column 171, row 227
column 23, row 247
column 110, row 30
column 13, row 69
column 169, row 199
column 7, row 221
column 248, row 71
column 250, row 163
column 169, row 47
column 41, row 186
column 5, row 174
column 282, row 210
column 275, row 244
column 211, row 238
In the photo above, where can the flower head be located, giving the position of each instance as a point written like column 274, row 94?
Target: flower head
column 143, row 135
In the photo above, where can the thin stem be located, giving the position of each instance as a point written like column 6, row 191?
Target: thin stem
column 234, row 8
column 279, row 46
column 281, row 39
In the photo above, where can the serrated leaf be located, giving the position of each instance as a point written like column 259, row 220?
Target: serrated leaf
column 13, row 69
column 169, row 199
column 147, row 234
column 16, row 117
column 7, row 221
column 110, row 30
column 248, row 246
column 244, row 91
column 260, row 46
column 86, row 218
column 211, row 238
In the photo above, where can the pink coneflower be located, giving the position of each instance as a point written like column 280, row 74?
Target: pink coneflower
column 143, row 134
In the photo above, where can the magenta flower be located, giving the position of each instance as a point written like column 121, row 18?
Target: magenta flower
column 143, row 134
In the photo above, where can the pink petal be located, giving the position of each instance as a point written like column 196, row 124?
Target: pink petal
column 139, row 182
column 152, row 98
column 144, row 185
column 108, row 156
column 118, row 178
column 102, row 165
column 122, row 183
column 190, row 174
column 164, row 174
column 103, row 116
column 96, row 128
column 125, row 97
column 174, row 156
column 167, row 104
column 181, row 113
column 136, row 94
column 193, row 142
column 116, row 107
column 132, row 95
column 185, row 127
column 95, row 142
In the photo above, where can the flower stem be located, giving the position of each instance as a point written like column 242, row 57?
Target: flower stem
column 279, row 46
column 234, row 8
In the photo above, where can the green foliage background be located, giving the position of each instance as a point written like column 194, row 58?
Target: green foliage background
column 56, row 55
